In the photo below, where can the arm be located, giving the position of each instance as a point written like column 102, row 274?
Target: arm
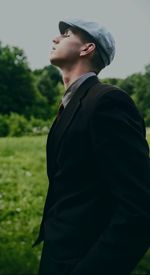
column 118, row 140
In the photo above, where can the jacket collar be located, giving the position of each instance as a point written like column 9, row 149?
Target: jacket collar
column 59, row 127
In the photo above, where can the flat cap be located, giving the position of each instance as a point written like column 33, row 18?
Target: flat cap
column 103, row 39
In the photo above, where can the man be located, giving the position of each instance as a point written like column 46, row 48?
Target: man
column 97, row 213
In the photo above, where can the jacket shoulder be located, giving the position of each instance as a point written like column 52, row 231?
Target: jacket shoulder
column 107, row 91
column 103, row 88
column 113, row 99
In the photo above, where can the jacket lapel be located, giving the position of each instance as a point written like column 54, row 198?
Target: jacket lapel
column 59, row 127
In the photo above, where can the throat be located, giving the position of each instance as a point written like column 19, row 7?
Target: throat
column 67, row 82
column 69, row 79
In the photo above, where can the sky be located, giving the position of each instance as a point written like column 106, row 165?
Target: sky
column 32, row 24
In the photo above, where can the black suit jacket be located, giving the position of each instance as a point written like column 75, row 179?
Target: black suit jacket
column 97, row 209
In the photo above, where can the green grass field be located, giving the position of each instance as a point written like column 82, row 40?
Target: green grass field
column 23, row 183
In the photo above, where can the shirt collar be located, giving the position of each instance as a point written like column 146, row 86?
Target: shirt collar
column 74, row 86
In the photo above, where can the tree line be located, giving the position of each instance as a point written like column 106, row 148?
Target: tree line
column 34, row 95
column 137, row 86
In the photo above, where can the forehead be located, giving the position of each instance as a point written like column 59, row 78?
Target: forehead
column 72, row 30
column 79, row 32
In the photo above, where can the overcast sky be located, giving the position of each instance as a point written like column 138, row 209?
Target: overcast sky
column 31, row 25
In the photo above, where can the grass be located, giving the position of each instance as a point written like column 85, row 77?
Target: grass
column 23, row 185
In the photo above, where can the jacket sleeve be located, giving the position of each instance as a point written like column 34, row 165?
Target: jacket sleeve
column 121, row 156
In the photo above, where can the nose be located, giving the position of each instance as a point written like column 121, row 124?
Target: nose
column 56, row 39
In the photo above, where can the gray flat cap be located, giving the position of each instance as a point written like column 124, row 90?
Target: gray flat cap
column 103, row 39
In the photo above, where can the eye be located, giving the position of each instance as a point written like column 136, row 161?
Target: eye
column 66, row 35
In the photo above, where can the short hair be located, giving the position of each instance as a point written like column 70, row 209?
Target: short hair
column 96, row 60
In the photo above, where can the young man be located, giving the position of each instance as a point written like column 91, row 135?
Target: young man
column 97, row 213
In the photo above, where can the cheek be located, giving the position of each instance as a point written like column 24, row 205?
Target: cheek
column 71, row 50
column 65, row 50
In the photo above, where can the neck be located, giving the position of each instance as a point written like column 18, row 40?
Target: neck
column 69, row 76
column 73, row 72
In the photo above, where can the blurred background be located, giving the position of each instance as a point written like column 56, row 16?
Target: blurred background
column 30, row 92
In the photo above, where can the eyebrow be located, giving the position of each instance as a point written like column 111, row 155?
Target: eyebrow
column 68, row 30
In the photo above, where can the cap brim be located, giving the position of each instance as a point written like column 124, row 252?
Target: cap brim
column 63, row 26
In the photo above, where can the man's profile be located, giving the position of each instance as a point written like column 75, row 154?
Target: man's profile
column 96, row 217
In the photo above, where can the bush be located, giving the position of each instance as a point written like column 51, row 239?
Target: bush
column 39, row 126
column 4, row 126
column 147, row 118
column 17, row 125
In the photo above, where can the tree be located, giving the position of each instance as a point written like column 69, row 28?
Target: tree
column 47, row 81
column 49, row 84
column 18, row 90
column 16, row 82
column 138, row 87
column 143, row 95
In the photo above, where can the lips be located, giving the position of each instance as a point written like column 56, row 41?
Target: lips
column 52, row 50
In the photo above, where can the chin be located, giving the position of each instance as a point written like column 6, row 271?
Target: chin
column 52, row 57
column 52, row 61
column 55, row 61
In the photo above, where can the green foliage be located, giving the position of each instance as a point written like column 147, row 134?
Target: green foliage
column 47, row 80
column 18, row 125
column 37, row 93
column 138, row 87
column 39, row 109
column 148, row 134
column 147, row 117
column 112, row 81
column 39, row 126
column 24, row 184
column 23, row 91
column 4, row 126
column 16, row 82
column 49, row 84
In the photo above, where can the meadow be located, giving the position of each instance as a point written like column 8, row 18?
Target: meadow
column 23, row 185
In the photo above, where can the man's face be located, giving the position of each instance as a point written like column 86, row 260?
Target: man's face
column 66, row 49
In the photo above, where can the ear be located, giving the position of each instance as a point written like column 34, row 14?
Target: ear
column 87, row 49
